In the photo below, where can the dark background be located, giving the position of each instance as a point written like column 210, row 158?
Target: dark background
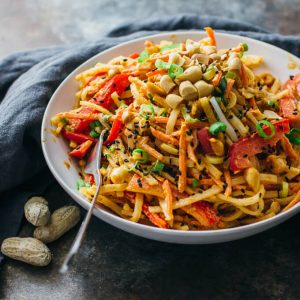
column 113, row 264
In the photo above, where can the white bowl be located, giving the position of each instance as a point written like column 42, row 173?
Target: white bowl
column 56, row 150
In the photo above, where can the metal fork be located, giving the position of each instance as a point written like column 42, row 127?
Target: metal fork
column 92, row 167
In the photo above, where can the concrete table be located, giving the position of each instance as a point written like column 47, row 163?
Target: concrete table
column 113, row 264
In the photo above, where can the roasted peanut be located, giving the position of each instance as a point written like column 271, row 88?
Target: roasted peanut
column 188, row 91
column 167, row 83
column 193, row 74
column 173, row 100
column 37, row 211
column 62, row 220
column 204, row 89
column 28, row 250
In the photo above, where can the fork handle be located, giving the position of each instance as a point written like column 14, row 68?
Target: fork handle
column 80, row 235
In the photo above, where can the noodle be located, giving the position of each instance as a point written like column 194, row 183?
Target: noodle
column 195, row 142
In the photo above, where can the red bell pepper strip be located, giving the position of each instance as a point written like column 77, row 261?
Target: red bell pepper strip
column 81, row 125
column 134, row 55
column 204, row 136
column 77, row 137
column 288, row 108
column 81, row 150
column 154, row 218
column 78, row 125
column 117, row 126
column 117, row 84
column 204, row 213
column 89, row 179
column 240, row 152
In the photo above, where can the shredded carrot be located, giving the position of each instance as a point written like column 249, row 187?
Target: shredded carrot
column 169, row 198
column 218, row 182
column 228, row 190
column 150, row 150
column 293, row 202
column 252, row 103
column 148, row 44
column 134, row 55
column 239, row 48
column 191, row 154
column 244, row 76
column 71, row 115
column 206, row 181
column 175, row 133
column 288, row 148
column 156, row 219
column 216, row 80
column 239, row 187
column 211, row 34
column 156, row 72
column 230, row 83
column 164, row 120
column 164, row 137
column 294, row 186
column 182, row 158
column 164, row 57
column 198, row 125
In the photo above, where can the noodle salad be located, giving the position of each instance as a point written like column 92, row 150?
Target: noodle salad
column 197, row 140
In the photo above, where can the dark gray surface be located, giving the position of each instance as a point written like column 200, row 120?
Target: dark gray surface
column 113, row 264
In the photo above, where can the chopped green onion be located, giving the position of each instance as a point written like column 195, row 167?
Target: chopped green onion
column 175, row 70
column 140, row 155
column 230, row 75
column 294, row 136
column 143, row 56
column 273, row 104
column 147, row 111
column 158, row 167
column 285, row 190
column 94, row 134
column 219, row 100
column 64, row 120
column 245, row 47
column 162, row 112
column 95, row 124
column 217, row 127
column 223, row 84
column 169, row 47
column 261, row 131
column 209, row 74
column 80, row 183
column 150, row 96
column 160, row 64
column 195, row 183
column 111, row 148
column 241, row 54
column 187, row 116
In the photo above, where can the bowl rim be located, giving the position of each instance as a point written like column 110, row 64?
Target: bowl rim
column 114, row 219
